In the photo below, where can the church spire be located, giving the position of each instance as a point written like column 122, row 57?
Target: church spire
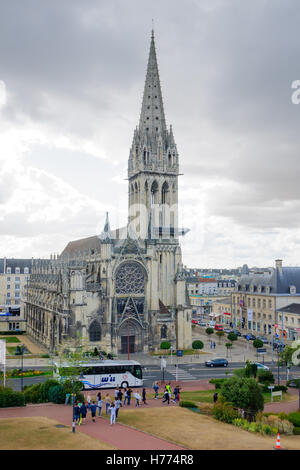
column 152, row 118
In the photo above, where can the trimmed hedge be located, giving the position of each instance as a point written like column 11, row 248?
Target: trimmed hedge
column 188, row 404
column 217, row 382
column 8, row 397
column 197, row 344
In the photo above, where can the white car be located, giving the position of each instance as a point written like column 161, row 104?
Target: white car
column 261, row 366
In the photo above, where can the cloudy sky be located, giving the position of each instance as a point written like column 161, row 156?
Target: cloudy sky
column 71, row 81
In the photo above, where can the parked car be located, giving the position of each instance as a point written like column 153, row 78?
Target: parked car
column 263, row 339
column 218, row 327
column 227, row 330
column 218, row 362
column 278, row 345
column 250, row 336
column 201, row 323
column 236, row 332
column 195, row 322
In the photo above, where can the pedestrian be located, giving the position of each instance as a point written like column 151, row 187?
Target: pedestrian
column 125, row 396
column 100, row 404
column 98, row 396
column 107, row 402
column 116, row 393
column 215, row 397
column 83, row 411
column 89, row 402
column 155, row 388
column 138, row 398
column 93, row 410
column 67, row 398
column 168, row 388
column 129, row 393
column 118, row 404
column 76, row 413
column 112, row 410
column 144, row 396
column 214, row 345
column 211, row 345
column 120, row 395
column 175, row 391
column 166, row 396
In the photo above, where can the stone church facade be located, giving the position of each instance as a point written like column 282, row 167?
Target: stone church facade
column 126, row 288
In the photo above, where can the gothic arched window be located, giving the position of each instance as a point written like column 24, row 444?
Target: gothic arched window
column 163, row 332
column 95, row 331
column 130, row 279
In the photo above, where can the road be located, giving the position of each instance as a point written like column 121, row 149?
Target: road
column 185, row 372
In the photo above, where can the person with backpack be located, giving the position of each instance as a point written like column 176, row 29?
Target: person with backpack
column 83, row 411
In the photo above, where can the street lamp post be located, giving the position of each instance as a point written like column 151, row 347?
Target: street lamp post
column 73, row 402
column 22, row 353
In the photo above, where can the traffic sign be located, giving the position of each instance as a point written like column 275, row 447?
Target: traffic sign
column 261, row 350
column 179, row 352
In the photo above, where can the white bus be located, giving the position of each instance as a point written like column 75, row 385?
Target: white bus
column 103, row 374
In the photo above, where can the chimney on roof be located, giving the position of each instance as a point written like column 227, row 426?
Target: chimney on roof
column 278, row 264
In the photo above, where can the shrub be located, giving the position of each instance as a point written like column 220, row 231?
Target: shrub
column 296, row 431
column 268, row 430
column 32, row 394
column 188, row 404
column 56, row 394
column 45, row 387
column 265, row 377
column 232, row 337
column 197, row 344
column 218, row 383
column 165, row 345
column 209, row 331
column 8, row 397
column 257, row 343
column 240, row 372
column 225, row 412
column 294, row 418
column 275, row 422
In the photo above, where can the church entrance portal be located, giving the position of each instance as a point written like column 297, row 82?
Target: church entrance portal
column 124, row 344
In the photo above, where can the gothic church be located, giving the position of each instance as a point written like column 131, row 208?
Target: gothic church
column 124, row 289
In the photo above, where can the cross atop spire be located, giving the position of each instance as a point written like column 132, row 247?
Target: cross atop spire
column 152, row 118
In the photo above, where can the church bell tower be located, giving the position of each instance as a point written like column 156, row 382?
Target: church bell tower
column 153, row 164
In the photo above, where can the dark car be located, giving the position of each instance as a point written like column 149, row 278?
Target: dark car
column 250, row 336
column 218, row 362
column 278, row 345
column 263, row 339
column 236, row 332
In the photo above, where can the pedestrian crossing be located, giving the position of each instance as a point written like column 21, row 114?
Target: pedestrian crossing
column 181, row 373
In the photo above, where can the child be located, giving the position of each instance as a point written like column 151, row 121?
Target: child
column 112, row 410
column 137, row 397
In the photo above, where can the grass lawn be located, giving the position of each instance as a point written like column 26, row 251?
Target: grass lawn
column 10, row 339
column 12, row 349
column 42, row 434
column 203, row 396
column 197, row 431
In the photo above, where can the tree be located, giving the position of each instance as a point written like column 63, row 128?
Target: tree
column 209, row 331
column 197, row 344
column 244, row 393
column 257, row 343
column 250, row 369
column 265, row 377
column 232, row 336
column 165, row 345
